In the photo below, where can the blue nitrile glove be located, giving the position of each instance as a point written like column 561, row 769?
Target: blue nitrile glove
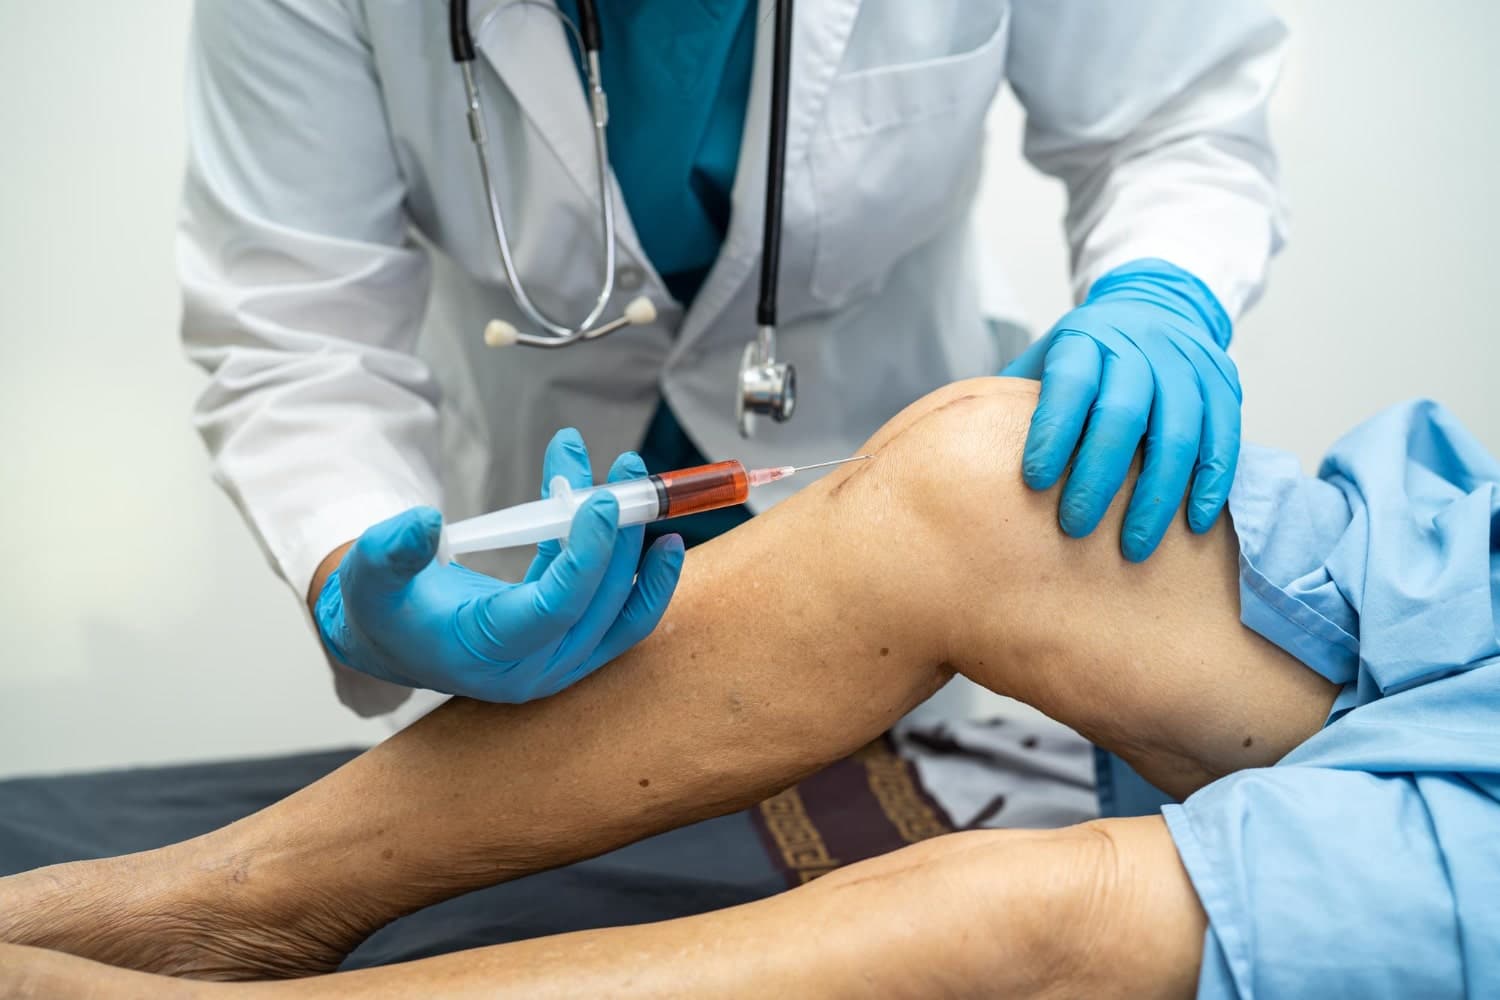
column 1142, row 359
column 391, row 611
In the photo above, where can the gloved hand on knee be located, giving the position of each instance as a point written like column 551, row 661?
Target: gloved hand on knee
column 1140, row 362
column 391, row 611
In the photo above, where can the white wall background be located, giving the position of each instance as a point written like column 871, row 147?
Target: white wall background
column 1390, row 144
column 138, row 621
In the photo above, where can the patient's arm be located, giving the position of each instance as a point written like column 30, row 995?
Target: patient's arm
column 791, row 642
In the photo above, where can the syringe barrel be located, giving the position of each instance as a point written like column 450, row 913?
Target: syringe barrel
column 703, row 487
column 667, row 494
column 542, row 520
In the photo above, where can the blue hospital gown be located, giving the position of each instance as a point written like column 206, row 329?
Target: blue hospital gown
column 1367, row 862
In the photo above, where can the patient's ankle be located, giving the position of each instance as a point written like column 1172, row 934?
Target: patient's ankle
column 182, row 911
column 102, row 910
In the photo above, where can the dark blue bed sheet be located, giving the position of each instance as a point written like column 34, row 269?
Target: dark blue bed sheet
column 707, row 866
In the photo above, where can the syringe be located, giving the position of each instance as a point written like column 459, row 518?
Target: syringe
column 659, row 496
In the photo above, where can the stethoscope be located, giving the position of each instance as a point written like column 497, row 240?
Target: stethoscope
column 767, row 387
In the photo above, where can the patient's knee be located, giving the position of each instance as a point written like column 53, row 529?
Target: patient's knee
column 1099, row 910
column 1128, row 880
column 954, row 458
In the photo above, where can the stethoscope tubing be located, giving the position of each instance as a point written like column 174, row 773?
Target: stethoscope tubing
column 770, row 250
column 591, row 39
column 462, row 46
column 765, row 385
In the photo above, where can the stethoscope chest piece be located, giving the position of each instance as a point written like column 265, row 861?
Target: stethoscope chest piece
column 767, row 387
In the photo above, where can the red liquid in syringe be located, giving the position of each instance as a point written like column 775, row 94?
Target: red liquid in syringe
column 722, row 484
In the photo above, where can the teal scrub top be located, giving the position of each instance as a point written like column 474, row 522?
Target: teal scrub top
column 677, row 76
column 678, row 80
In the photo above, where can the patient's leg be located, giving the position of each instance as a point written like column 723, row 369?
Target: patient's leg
column 791, row 642
column 985, row 914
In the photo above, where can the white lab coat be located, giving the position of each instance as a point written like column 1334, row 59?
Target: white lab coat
column 330, row 169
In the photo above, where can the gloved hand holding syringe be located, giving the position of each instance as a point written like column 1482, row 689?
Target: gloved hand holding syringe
column 653, row 498
column 397, row 609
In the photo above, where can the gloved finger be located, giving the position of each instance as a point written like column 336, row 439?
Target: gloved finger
column 1208, row 359
column 1172, row 437
column 1070, row 384
column 655, row 583
column 1115, row 427
column 511, row 623
column 566, row 456
column 1030, row 363
column 568, row 586
column 1218, row 456
column 328, row 613
column 629, row 466
column 384, row 559
column 618, row 580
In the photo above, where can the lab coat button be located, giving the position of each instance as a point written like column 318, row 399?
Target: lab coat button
column 628, row 278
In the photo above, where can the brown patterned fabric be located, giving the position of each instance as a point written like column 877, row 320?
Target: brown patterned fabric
column 866, row 805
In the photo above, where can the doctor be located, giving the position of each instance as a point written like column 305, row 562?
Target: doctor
column 333, row 211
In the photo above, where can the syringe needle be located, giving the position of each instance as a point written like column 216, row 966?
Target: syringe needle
column 762, row 477
column 825, row 465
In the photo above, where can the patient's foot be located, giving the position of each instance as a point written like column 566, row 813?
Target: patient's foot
column 177, row 912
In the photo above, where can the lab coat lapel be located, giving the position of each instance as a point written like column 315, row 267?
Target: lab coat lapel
column 820, row 34
column 529, row 50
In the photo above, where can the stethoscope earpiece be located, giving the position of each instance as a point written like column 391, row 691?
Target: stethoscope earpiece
column 639, row 311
